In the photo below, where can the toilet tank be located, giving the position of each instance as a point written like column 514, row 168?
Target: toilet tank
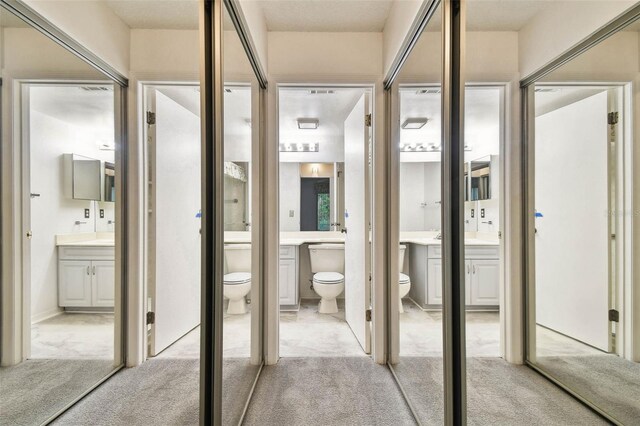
column 401, row 259
column 237, row 258
column 327, row 258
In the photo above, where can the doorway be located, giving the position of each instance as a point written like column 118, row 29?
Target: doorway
column 325, row 138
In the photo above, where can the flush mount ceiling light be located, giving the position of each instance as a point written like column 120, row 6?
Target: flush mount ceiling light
column 414, row 123
column 308, row 123
column 299, row 147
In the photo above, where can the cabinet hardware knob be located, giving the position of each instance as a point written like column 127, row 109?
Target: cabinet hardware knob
column 88, row 270
column 29, row 234
column 94, row 270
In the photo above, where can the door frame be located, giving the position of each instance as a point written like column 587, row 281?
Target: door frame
column 628, row 333
column 17, row 345
column 145, row 89
column 378, row 278
column 510, row 334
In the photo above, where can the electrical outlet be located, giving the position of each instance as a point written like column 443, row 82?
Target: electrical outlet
column 482, row 213
column 473, row 213
column 87, row 213
column 101, row 213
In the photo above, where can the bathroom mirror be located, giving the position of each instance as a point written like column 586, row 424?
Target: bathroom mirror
column 86, row 178
column 109, row 182
column 236, row 196
column 480, row 173
column 316, row 202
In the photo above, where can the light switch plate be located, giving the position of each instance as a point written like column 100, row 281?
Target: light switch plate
column 291, row 212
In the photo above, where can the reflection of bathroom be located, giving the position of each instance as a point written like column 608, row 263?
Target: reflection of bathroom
column 420, row 220
column 72, row 220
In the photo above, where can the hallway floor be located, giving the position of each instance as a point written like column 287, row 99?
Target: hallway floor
column 421, row 332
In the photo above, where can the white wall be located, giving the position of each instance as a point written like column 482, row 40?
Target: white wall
column 401, row 16
column 53, row 212
column 252, row 11
column 412, row 191
column 339, row 55
column 572, row 236
column 560, row 26
column 93, row 24
column 289, row 196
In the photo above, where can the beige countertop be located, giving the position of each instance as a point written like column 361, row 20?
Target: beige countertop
column 86, row 239
column 310, row 237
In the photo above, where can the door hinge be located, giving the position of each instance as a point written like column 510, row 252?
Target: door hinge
column 367, row 120
column 367, row 315
column 612, row 118
column 614, row 315
column 151, row 317
column 151, row 117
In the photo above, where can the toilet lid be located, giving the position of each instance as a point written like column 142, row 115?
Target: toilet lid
column 404, row 279
column 328, row 277
column 237, row 278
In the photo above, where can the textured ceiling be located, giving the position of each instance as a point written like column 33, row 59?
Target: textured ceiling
column 159, row 14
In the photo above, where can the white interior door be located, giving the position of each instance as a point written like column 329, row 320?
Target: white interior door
column 356, row 222
column 174, row 220
column 571, row 242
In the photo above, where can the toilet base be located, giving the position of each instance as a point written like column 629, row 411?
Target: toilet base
column 237, row 307
column 328, row 306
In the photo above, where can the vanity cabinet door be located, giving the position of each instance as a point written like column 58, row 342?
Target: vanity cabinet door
column 467, row 282
column 103, row 283
column 74, row 283
column 434, row 282
column 485, row 282
column 288, row 284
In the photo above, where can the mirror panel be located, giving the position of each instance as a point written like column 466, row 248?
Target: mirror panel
column 69, row 337
column 87, row 178
column 581, row 313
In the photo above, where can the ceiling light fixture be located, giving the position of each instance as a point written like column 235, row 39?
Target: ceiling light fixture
column 414, row 123
column 299, row 147
column 308, row 123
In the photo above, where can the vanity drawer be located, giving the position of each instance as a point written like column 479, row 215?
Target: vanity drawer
column 434, row 252
column 482, row 252
column 86, row 253
column 287, row 252
column 470, row 252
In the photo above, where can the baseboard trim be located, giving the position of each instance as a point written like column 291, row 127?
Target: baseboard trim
column 46, row 315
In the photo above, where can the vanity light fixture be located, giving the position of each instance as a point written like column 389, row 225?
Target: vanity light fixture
column 414, row 123
column 308, row 123
column 425, row 147
column 299, row 147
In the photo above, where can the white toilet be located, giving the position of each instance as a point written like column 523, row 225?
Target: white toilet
column 327, row 266
column 404, row 283
column 237, row 280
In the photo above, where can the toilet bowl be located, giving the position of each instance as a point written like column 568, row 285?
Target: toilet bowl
column 327, row 266
column 404, row 282
column 237, row 280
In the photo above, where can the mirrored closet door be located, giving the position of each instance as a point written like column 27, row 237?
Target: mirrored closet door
column 62, row 299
